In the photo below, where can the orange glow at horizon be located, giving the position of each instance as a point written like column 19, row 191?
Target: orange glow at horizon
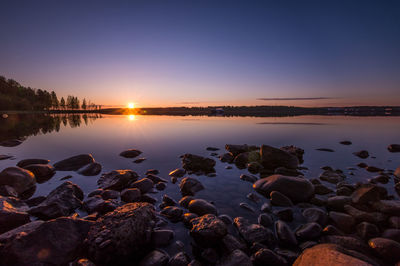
column 131, row 105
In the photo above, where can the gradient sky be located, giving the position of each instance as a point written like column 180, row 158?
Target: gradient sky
column 175, row 53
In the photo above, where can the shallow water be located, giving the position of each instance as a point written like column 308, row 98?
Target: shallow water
column 164, row 138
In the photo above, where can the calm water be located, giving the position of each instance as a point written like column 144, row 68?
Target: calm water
column 164, row 138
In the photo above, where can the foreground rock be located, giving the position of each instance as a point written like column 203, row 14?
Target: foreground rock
column 27, row 162
column 253, row 233
column 117, row 179
column 74, row 163
column 21, row 180
column 122, row 235
column 42, row 172
column 386, row 249
column 56, row 242
column 208, row 230
column 62, row 201
column 197, row 163
column 91, row 169
column 272, row 158
column 296, row 188
column 12, row 213
column 201, row 207
column 189, row 186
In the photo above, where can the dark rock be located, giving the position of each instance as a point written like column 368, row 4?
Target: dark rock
column 296, row 188
column 344, row 191
column 35, row 201
column 296, row 151
column 179, row 259
column 362, row 154
column 235, row 258
column 322, row 190
column 266, row 207
column 362, row 165
column 226, row 219
column 316, row 215
column 272, row 158
column 284, row 234
column 152, row 172
column 253, row 232
column 279, row 199
column 139, row 160
column 246, row 206
column 348, row 242
column 110, row 194
column 231, row 243
column 10, row 142
column 179, row 172
column 248, row 178
column 391, row 207
column 144, row 185
column 99, row 205
column 367, row 230
column 393, row 234
column 394, row 222
column 21, row 180
column 237, row 149
column 362, row 216
column 265, row 219
column 287, row 172
column 117, row 179
column 174, row 214
column 95, row 192
column 309, row 231
column 338, row 202
column 121, row 235
column 5, row 157
column 343, row 221
column 366, row 194
column 66, row 177
column 201, row 207
column 373, row 169
column 285, row 214
column 184, row 201
column 209, row 256
column 8, row 191
column 91, row 169
column 156, row 179
column 196, row 163
column 40, row 244
column 332, row 230
column 253, row 197
column 266, row 256
column 212, row 149
column 189, row 186
column 132, row 153
column 394, row 148
column 325, row 149
column 168, row 200
column 61, row 201
column 207, row 230
column 12, row 213
column 27, row 162
column 82, row 262
column 226, row 158
column 386, row 249
column 241, row 160
column 345, row 142
column 74, row 163
column 148, row 198
column 161, row 186
column 332, row 177
column 42, row 172
column 383, row 179
column 187, row 218
column 162, row 237
column 155, row 258
column 307, row 244
column 289, row 255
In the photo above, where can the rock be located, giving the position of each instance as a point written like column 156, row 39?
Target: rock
column 162, row 237
column 362, row 216
column 21, row 180
column 121, row 235
column 179, row 172
column 74, row 163
column 42, row 172
column 209, row 256
column 174, row 214
column 246, row 207
column 148, row 198
column 8, row 191
column 287, row 172
column 253, row 232
column 394, row 148
column 155, row 258
column 5, row 157
column 40, row 244
column 254, row 167
column 322, row 190
column 338, row 202
column 66, row 177
column 344, row 191
column 284, row 234
column 386, row 249
column 296, row 188
column 91, row 169
column 12, row 213
column 168, row 200
column 332, row 177
column 394, row 222
column 316, row 215
column 161, row 186
column 391, row 207
column 325, row 149
column 226, row 158
column 279, row 199
column 179, row 259
column 367, row 230
column 241, row 160
column 272, row 158
column 208, row 230
column 235, row 258
column 362, row 165
column 226, row 219
column 237, row 149
column 27, row 162
column 139, row 160
column 265, row 220
column 266, row 256
column 366, row 194
column 393, row 234
column 117, row 179
column 296, row 151
column 266, row 207
column 231, row 243
column 309, row 231
column 248, row 178
column 99, row 205
column 61, row 201
column 362, row 154
column 156, row 179
column 332, row 230
column 110, row 194
column 187, row 219
column 152, row 172
column 10, row 142
column 331, row 255
column 253, row 197
column 82, row 262
column 289, row 255
column 189, row 186
column 201, row 207
column 184, row 201
column 131, row 153
column 196, row 163
column 383, row 179
column 144, row 185
column 345, row 142
column 35, row 201
column 343, row 221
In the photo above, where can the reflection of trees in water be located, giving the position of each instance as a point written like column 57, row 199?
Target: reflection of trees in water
column 20, row 126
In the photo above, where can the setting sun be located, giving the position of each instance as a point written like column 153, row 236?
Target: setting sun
column 131, row 105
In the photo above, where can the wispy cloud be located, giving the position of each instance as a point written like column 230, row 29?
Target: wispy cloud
column 296, row 99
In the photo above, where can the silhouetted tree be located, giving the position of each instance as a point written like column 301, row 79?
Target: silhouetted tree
column 84, row 106
column 62, row 103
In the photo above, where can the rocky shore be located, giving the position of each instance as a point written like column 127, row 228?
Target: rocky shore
column 302, row 220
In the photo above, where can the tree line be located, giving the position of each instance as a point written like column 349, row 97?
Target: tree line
column 14, row 96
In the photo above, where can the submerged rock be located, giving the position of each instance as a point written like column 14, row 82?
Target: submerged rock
column 21, row 180
column 42, row 172
column 332, row 177
column 179, row 172
column 91, row 169
column 74, row 163
column 394, row 148
column 132, row 153
column 362, row 154
column 272, row 158
column 196, row 163
column 189, row 186
column 117, row 179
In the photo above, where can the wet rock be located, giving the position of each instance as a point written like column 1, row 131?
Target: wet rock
column 373, row 169
column 325, row 149
column 184, row 201
column 279, row 199
column 110, row 194
column 253, row 232
column 231, row 243
column 162, row 237
column 26, row 162
column 121, row 235
column 209, row 256
column 226, row 158
column 91, row 169
column 345, row 142
column 5, row 157
column 235, row 258
column 344, row 191
column 383, row 179
column 187, row 219
column 99, row 205
column 331, row 255
column 393, row 234
column 152, row 172
column 394, row 222
column 241, row 160
column 201, row 207
column 174, row 214
column 309, row 231
column 39, row 245
column 155, row 258
column 289, row 255
column 322, row 190
column 248, row 178
column 95, row 192
column 296, row 151
column 66, row 177
column 266, row 207
column 332, row 177
column 394, row 148
column 343, row 221
column 74, row 163
column 265, row 219
column 196, row 163
column 179, row 172
column 12, row 213
column 10, row 142
column 168, row 200
column 391, row 207
column 156, row 179
column 226, row 219
column 144, row 185
column 253, row 197
column 338, row 202
column 82, row 262
column 296, row 188
column 161, row 186
column 362, row 216
column 139, row 160
column 347, row 242
column 207, row 230
column 363, row 154
column 117, row 179
column 35, row 201
column 266, row 256
column 237, row 149
column 332, row 230
column 272, row 158
column 254, row 167
column 316, row 215
column 61, row 201
column 179, row 259
column 284, row 234
column 8, row 191
column 366, row 194
column 285, row 214
column 148, row 198
column 386, row 249
column 21, row 180
column 367, row 230
column 189, row 186
column 131, row 153
column 246, row 206
column 42, row 172
column 287, row 172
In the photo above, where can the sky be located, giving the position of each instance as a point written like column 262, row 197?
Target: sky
column 200, row 53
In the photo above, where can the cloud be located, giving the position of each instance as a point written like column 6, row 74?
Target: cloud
column 296, row 99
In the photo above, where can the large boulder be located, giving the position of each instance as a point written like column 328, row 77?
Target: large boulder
column 122, row 235
column 42, row 172
column 56, row 242
column 208, row 230
column 201, row 207
column 62, row 201
column 296, row 151
column 235, row 149
column 197, row 163
column 23, row 181
column 27, row 162
column 91, row 169
column 117, row 179
column 298, row 189
column 272, row 158
column 12, row 213
column 387, row 249
column 331, row 255
column 74, row 163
